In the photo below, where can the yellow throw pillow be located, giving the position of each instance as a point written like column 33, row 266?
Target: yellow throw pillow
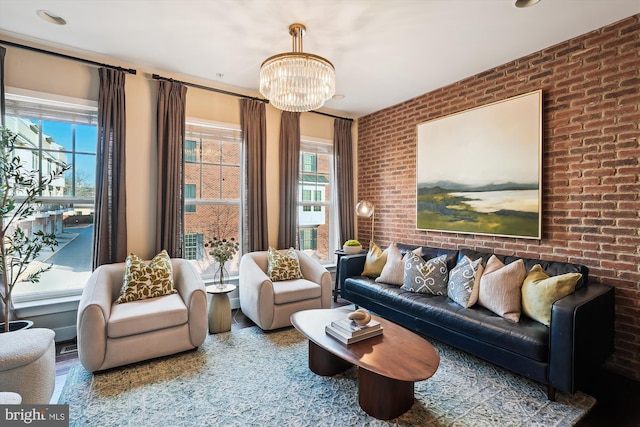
column 142, row 281
column 376, row 259
column 540, row 291
column 500, row 288
column 283, row 266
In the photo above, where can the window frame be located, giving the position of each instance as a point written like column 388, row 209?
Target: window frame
column 318, row 146
column 59, row 109
column 207, row 202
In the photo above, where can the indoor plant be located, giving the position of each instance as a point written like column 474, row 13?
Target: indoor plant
column 352, row 247
column 19, row 192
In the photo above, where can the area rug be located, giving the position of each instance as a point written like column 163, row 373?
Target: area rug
column 251, row 378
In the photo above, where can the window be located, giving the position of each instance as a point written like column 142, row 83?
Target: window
column 308, row 162
column 54, row 131
column 308, row 239
column 317, row 230
column 189, row 193
column 213, row 192
column 193, row 246
column 190, row 155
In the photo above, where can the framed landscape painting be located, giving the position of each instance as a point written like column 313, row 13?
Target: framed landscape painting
column 479, row 171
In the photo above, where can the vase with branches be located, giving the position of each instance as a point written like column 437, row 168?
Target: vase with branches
column 20, row 190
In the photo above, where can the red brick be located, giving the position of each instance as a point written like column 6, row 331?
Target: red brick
column 591, row 92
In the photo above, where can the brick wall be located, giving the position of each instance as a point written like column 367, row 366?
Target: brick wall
column 591, row 187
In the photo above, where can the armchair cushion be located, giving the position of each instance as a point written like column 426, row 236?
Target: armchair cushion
column 152, row 314
column 142, row 280
column 295, row 290
column 283, row 266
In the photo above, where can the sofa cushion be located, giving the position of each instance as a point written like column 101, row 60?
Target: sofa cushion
column 527, row 338
column 375, row 261
column 540, row 291
column 295, row 290
column 425, row 276
column 138, row 317
column 500, row 288
column 464, row 282
column 393, row 270
column 283, row 266
column 142, row 280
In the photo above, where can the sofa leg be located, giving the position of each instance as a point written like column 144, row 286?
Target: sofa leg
column 551, row 393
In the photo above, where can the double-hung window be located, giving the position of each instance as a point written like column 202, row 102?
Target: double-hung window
column 317, row 224
column 54, row 131
column 213, row 192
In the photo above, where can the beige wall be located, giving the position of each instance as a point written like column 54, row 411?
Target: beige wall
column 46, row 73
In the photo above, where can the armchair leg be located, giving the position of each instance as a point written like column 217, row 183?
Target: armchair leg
column 551, row 393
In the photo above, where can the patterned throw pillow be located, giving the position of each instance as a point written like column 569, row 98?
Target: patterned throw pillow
column 142, row 281
column 540, row 291
column 283, row 266
column 464, row 281
column 500, row 288
column 393, row 270
column 429, row 277
column 376, row 259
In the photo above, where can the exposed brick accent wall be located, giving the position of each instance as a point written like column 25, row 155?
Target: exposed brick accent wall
column 591, row 187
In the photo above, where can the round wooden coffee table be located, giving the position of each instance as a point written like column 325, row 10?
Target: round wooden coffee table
column 385, row 379
column 220, row 309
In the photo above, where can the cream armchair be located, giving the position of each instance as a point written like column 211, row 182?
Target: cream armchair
column 111, row 334
column 271, row 304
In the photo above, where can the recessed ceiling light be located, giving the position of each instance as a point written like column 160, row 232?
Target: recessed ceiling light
column 51, row 17
column 338, row 96
column 525, row 3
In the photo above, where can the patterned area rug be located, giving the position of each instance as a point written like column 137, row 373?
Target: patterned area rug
column 252, row 378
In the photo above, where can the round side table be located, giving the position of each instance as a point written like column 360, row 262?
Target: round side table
column 220, row 309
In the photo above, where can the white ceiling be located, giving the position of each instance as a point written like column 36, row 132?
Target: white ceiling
column 384, row 51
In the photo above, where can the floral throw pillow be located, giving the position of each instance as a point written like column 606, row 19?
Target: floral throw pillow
column 283, row 266
column 142, row 280
column 429, row 277
column 464, row 282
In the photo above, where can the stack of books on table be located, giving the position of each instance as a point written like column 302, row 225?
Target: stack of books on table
column 347, row 331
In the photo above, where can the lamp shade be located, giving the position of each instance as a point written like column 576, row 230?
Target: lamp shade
column 364, row 209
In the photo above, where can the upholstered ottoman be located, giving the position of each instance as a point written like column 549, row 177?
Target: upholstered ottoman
column 28, row 364
column 9, row 398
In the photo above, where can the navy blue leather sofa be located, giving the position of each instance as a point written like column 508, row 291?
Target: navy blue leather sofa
column 562, row 356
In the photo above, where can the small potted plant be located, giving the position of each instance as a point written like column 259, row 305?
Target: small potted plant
column 352, row 247
column 19, row 192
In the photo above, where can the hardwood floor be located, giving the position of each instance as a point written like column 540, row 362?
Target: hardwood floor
column 618, row 397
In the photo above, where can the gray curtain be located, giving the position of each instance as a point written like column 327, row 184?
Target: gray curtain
column 171, row 132
column 3, row 52
column 253, row 122
column 110, row 223
column 343, row 152
column 289, row 166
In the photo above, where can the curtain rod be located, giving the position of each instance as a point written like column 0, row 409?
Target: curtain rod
column 212, row 89
column 158, row 77
column 73, row 58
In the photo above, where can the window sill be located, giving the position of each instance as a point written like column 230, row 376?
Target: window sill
column 43, row 307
